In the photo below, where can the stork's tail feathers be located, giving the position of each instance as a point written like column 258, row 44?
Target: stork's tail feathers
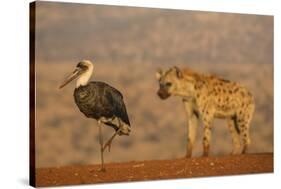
column 118, row 125
column 125, row 130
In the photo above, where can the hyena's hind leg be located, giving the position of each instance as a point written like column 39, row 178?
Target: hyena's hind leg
column 234, row 130
column 192, row 117
column 243, row 120
column 245, row 134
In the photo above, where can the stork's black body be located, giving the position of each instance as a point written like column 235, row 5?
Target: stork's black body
column 98, row 99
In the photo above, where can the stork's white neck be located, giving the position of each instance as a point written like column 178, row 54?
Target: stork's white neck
column 85, row 77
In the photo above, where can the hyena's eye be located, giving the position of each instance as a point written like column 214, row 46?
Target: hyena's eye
column 168, row 84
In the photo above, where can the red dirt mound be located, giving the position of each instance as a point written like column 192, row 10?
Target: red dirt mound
column 156, row 169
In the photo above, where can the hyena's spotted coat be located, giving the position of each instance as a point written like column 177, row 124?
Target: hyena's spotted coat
column 208, row 97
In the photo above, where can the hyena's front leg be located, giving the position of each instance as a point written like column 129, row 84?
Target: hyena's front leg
column 192, row 118
column 207, row 120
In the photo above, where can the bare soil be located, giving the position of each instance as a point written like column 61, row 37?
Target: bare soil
column 156, row 169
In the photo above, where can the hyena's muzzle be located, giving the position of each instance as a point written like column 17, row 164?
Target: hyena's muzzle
column 163, row 92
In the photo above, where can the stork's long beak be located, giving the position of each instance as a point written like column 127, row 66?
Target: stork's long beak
column 71, row 77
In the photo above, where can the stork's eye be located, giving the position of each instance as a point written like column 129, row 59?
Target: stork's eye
column 79, row 65
column 168, row 84
column 82, row 66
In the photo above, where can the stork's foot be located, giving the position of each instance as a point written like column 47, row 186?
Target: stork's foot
column 107, row 145
column 102, row 170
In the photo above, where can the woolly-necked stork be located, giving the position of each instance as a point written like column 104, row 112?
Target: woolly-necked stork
column 100, row 101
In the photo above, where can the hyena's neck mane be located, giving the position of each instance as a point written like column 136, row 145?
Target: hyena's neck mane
column 199, row 81
column 190, row 74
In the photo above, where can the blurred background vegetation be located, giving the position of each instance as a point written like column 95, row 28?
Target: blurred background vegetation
column 127, row 45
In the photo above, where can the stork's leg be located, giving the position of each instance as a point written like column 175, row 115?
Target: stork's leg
column 108, row 143
column 101, row 146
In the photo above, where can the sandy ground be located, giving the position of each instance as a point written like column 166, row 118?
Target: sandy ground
column 156, row 169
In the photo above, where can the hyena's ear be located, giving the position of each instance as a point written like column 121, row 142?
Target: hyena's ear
column 159, row 74
column 178, row 72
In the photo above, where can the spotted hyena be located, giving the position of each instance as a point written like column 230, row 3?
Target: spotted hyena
column 208, row 97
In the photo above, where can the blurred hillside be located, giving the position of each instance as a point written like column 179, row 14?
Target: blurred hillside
column 66, row 31
column 127, row 46
column 65, row 136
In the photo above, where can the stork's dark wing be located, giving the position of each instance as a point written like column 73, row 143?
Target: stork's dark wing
column 115, row 98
